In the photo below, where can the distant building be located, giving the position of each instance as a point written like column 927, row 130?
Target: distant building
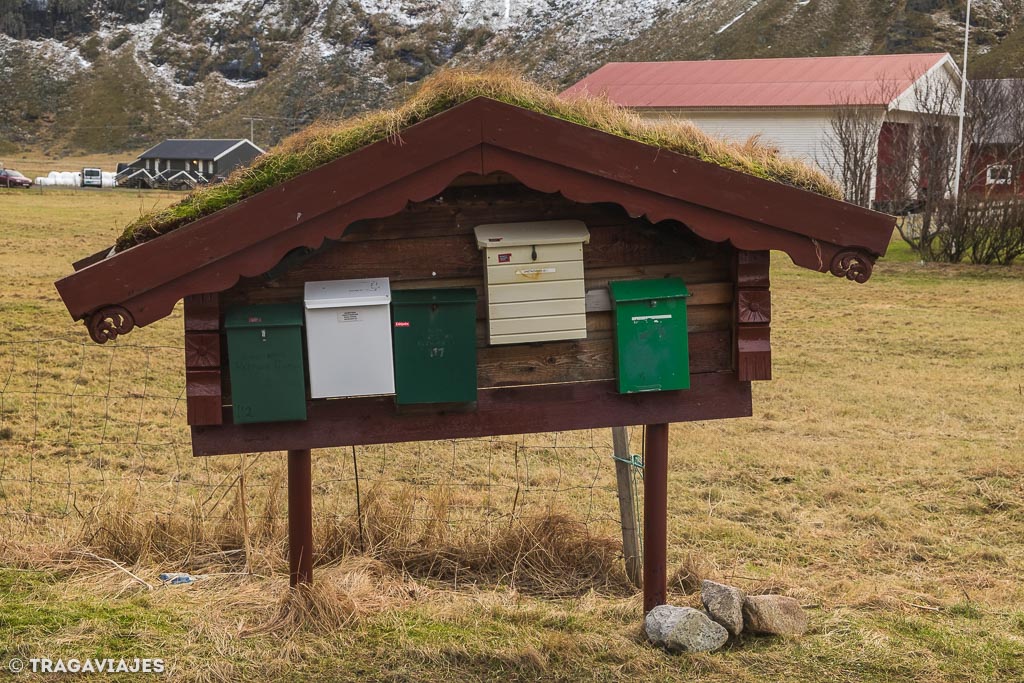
column 187, row 163
column 999, row 153
column 789, row 103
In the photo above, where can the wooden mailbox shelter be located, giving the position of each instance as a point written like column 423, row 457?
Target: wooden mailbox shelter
column 405, row 208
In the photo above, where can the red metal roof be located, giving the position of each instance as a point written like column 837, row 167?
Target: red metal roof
column 797, row 82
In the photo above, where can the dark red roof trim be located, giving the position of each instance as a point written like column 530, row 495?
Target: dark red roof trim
column 142, row 284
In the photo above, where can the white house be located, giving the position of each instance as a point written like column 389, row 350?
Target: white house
column 789, row 103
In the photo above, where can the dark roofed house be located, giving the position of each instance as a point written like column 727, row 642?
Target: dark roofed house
column 187, row 163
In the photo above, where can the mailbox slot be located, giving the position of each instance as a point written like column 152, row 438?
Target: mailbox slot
column 434, row 334
column 348, row 338
column 534, row 277
column 651, row 339
column 266, row 365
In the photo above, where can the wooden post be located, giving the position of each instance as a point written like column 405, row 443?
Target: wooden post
column 300, row 517
column 627, row 511
column 655, row 516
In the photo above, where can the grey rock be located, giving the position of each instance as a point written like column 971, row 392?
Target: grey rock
column 775, row 615
column 683, row 629
column 724, row 605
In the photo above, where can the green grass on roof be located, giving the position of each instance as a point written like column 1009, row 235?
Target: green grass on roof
column 325, row 141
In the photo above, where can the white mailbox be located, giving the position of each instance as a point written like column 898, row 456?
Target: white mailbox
column 534, row 280
column 348, row 338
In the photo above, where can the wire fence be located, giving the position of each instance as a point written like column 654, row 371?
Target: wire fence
column 91, row 433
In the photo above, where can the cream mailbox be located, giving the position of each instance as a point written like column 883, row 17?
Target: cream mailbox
column 348, row 338
column 534, row 280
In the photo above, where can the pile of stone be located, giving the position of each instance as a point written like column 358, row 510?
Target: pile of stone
column 727, row 612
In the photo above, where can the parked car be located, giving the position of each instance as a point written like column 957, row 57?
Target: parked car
column 11, row 178
column 92, row 177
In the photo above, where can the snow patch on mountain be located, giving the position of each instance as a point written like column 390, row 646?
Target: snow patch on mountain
column 725, row 27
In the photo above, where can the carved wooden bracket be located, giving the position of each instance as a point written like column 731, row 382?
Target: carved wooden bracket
column 853, row 265
column 203, row 391
column 755, row 306
column 108, row 322
column 753, row 316
column 755, row 352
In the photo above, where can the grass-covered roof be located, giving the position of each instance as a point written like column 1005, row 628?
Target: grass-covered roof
column 325, row 141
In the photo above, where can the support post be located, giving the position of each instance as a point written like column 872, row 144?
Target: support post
column 300, row 517
column 655, row 516
column 627, row 510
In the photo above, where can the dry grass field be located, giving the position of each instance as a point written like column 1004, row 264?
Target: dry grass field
column 879, row 481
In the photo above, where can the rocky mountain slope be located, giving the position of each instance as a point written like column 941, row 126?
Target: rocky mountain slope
column 119, row 74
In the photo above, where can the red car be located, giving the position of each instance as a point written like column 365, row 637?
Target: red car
column 11, row 178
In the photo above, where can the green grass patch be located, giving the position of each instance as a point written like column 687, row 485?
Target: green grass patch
column 35, row 617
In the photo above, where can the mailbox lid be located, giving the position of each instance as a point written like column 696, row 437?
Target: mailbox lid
column 497, row 235
column 651, row 336
column 263, row 316
column 266, row 363
column 435, row 345
column 460, row 295
column 646, row 290
column 348, row 293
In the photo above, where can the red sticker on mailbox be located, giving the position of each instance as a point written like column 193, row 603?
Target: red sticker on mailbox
column 504, row 258
column 401, row 324
column 255, row 320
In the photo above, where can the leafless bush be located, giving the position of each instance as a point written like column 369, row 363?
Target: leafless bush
column 975, row 219
column 979, row 230
column 850, row 148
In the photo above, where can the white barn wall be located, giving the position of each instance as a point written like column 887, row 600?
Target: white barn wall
column 942, row 79
column 803, row 134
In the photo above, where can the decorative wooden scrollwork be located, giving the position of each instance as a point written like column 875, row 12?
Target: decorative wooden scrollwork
column 853, row 265
column 203, row 389
column 753, row 316
column 202, row 349
column 107, row 323
column 755, row 306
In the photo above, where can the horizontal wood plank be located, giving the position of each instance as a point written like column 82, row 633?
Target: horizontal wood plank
column 584, row 360
column 203, row 399
column 519, row 410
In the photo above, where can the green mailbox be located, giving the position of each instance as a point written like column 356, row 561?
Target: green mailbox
column 265, row 359
column 651, row 343
column 434, row 337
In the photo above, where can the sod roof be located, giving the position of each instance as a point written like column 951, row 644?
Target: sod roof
column 324, row 142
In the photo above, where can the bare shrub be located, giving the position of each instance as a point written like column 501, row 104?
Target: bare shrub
column 850, row 150
column 980, row 230
column 973, row 220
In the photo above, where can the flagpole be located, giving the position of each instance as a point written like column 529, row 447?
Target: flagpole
column 963, row 100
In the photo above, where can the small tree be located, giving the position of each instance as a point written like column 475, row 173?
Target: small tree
column 850, row 150
column 909, row 157
column 984, row 222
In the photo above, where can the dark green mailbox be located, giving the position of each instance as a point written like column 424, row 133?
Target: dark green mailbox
column 652, row 348
column 434, row 337
column 265, row 359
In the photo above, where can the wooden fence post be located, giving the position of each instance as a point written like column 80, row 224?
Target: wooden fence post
column 300, row 517
column 627, row 510
column 655, row 516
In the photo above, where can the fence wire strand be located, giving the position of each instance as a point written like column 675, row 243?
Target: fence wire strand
column 85, row 427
